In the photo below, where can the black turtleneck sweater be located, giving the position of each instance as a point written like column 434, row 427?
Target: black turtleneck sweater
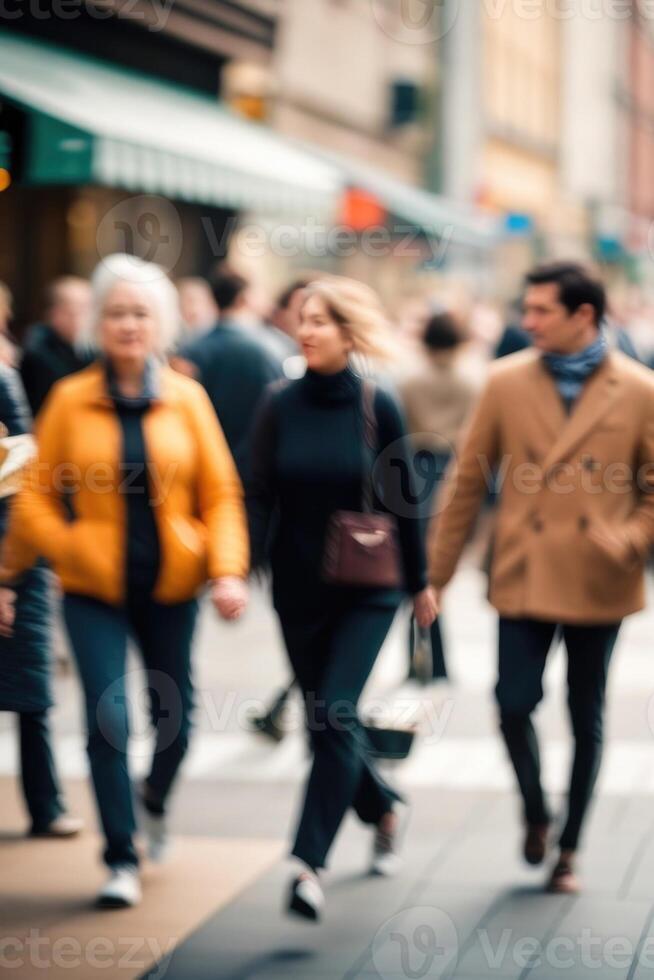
column 309, row 460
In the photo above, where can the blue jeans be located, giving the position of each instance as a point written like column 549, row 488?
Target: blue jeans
column 37, row 770
column 98, row 635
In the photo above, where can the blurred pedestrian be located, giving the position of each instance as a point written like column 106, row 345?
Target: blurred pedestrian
column 285, row 318
column 26, row 660
column 158, row 511
column 50, row 352
column 437, row 399
column 232, row 363
column 313, row 454
column 197, row 305
column 6, row 309
column 8, row 346
column 572, row 537
column 515, row 338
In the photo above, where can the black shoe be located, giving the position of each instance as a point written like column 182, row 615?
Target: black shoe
column 306, row 898
column 535, row 843
column 271, row 724
column 268, row 725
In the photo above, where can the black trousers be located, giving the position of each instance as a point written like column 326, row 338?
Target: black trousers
column 332, row 655
column 37, row 770
column 523, row 648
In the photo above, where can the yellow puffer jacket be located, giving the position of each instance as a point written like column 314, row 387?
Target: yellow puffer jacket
column 196, row 492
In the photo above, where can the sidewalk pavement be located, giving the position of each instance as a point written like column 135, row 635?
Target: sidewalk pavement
column 465, row 906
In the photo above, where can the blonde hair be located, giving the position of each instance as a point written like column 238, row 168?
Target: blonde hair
column 151, row 278
column 357, row 309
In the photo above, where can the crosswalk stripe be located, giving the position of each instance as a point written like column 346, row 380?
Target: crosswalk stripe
column 450, row 763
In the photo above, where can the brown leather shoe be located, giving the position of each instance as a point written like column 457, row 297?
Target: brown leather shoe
column 536, row 840
column 563, row 880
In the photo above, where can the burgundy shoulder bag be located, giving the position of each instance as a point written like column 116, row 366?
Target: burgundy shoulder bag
column 361, row 547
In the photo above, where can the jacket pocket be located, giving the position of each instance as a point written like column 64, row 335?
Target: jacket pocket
column 185, row 549
column 92, row 553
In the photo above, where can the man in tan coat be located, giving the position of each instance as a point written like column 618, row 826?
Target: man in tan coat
column 567, row 428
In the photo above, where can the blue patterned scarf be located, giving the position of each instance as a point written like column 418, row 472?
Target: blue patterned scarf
column 571, row 371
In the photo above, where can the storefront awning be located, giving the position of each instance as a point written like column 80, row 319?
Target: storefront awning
column 436, row 216
column 92, row 122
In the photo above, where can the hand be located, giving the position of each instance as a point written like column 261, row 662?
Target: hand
column 616, row 546
column 230, row 597
column 7, row 611
column 426, row 606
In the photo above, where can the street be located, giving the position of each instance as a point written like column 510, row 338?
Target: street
column 465, row 905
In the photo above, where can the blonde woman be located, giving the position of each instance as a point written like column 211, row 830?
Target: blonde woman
column 310, row 461
column 135, row 501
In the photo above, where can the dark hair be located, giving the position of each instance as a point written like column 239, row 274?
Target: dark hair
column 577, row 286
column 284, row 299
column 442, row 332
column 226, row 286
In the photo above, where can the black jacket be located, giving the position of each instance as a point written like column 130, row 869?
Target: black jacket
column 25, row 657
column 47, row 359
column 235, row 370
column 308, row 461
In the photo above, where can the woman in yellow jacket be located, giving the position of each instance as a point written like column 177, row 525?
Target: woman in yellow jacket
column 135, row 501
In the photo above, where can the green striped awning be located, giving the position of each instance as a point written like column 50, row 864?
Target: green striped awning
column 92, row 122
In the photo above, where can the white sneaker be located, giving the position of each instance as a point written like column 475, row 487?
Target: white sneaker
column 386, row 860
column 122, row 890
column 65, row 825
column 306, row 898
column 155, row 829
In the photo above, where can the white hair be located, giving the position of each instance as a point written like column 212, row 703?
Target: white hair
column 152, row 280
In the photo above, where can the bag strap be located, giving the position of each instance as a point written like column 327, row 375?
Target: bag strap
column 371, row 441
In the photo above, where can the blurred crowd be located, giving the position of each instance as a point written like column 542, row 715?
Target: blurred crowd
column 134, row 566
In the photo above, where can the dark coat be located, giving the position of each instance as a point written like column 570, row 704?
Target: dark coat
column 235, row 370
column 47, row 359
column 25, row 658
